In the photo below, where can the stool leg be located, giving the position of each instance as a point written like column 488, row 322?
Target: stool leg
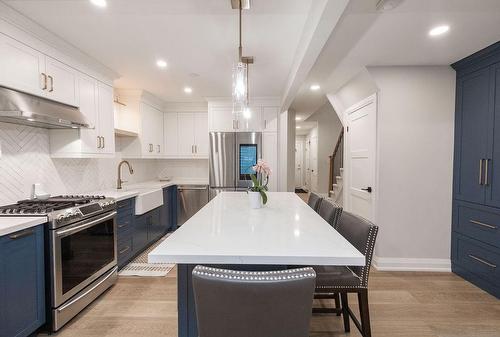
column 337, row 302
column 345, row 312
column 364, row 311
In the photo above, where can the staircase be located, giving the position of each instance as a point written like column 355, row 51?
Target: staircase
column 336, row 176
column 336, row 191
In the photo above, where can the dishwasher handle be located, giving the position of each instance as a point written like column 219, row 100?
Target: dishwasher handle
column 192, row 188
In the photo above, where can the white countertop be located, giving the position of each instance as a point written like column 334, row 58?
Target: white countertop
column 11, row 224
column 285, row 231
column 132, row 190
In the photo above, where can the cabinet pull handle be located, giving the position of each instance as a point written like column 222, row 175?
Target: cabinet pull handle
column 123, row 225
column 192, row 148
column 265, row 123
column 482, row 261
column 486, row 178
column 44, row 81
column 51, row 83
column 124, row 250
column 483, row 224
column 196, row 149
column 159, row 150
column 98, row 142
column 21, row 234
column 103, row 144
column 481, row 171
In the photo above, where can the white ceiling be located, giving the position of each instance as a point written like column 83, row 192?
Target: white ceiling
column 198, row 39
column 365, row 37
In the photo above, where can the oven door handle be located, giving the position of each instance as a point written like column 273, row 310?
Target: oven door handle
column 81, row 227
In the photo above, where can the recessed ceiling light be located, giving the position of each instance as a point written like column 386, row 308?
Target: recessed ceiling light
column 161, row 63
column 315, row 87
column 297, row 127
column 298, row 118
column 439, row 30
column 99, row 3
column 188, row 90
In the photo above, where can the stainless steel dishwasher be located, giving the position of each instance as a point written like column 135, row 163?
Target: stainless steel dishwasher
column 191, row 198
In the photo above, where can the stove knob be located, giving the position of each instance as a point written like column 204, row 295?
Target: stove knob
column 60, row 217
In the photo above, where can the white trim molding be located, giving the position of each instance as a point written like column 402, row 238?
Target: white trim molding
column 411, row 264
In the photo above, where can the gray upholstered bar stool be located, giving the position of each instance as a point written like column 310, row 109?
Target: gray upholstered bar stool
column 333, row 280
column 253, row 304
column 330, row 211
column 314, row 201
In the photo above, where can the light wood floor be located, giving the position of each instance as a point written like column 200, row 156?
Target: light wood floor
column 402, row 305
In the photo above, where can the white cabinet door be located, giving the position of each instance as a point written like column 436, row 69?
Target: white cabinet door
column 221, row 119
column 21, row 67
column 170, row 134
column 158, row 139
column 89, row 105
column 106, row 118
column 270, row 154
column 148, row 114
column 251, row 120
column 201, row 134
column 185, row 122
column 270, row 119
column 62, row 82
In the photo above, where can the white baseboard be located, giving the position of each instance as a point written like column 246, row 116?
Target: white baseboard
column 411, row 264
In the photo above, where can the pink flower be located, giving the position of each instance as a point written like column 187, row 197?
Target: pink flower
column 262, row 167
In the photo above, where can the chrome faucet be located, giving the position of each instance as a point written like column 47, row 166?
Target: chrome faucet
column 120, row 181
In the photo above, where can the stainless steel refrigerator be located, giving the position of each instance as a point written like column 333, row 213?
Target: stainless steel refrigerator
column 232, row 155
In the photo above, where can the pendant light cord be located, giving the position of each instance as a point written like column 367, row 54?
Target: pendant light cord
column 240, row 48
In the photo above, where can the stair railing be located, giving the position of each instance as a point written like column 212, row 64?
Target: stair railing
column 336, row 160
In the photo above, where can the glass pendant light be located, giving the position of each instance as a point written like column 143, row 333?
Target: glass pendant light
column 240, row 77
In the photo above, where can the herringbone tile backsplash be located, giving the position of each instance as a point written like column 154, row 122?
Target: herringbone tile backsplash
column 25, row 160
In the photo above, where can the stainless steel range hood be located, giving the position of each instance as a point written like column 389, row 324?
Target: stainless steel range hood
column 20, row 108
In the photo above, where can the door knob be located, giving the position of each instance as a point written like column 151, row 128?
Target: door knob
column 368, row 189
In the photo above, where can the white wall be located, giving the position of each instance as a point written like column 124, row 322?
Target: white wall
column 286, row 151
column 329, row 127
column 415, row 126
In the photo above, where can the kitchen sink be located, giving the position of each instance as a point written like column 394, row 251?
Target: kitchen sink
column 147, row 200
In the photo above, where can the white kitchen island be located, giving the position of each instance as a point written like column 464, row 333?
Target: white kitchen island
column 228, row 233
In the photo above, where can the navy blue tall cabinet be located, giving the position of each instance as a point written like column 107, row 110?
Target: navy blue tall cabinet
column 476, row 183
column 22, row 286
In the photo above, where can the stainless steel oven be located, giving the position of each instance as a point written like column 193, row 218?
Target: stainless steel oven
column 83, row 263
column 81, row 253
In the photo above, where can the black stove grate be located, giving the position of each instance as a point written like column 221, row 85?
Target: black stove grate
column 52, row 204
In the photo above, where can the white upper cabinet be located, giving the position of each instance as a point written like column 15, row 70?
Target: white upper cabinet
column 186, row 134
column 21, row 67
column 260, row 117
column 143, row 109
column 26, row 69
column 270, row 119
column 106, row 126
column 170, row 134
column 221, row 119
column 201, row 134
column 62, row 82
column 151, row 131
column 89, row 106
column 97, row 141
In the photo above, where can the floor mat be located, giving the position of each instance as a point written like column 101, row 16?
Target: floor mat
column 140, row 266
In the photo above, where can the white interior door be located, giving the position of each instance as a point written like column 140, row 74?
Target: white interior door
column 361, row 160
column 299, row 163
column 313, row 163
column 307, row 164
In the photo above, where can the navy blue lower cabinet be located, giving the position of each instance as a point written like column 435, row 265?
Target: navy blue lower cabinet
column 125, row 232
column 22, row 285
column 169, row 212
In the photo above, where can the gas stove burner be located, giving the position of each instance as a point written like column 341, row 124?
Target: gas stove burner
column 42, row 207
